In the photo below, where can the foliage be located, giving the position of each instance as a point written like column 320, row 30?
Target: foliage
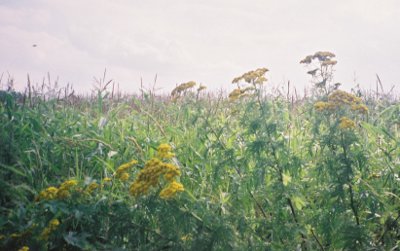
column 199, row 173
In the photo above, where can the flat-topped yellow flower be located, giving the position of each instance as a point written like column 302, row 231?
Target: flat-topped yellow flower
column 171, row 190
column 164, row 151
column 346, row 123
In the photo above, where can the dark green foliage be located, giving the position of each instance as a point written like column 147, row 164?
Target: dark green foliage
column 258, row 173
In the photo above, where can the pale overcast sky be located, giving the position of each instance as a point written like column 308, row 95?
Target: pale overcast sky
column 208, row 41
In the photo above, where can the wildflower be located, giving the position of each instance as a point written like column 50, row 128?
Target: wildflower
column 171, row 190
column 49, row 193
column 149, row 176
column 124, row 177
column 252, row 77
column 360, row 108
column 346, row 123
column 124, row 167
column 66, row 185
column 164, row 151
column 107, row 179
column 15, row 235
column 24, row 248
column 201, row 87
column 92, row 186
column 329, row 62
column 63, row 194
column 322, row 56
column 139, row 188
column 182, row 88
column 53, row 225
column 320, row 105
column 307, row 60
column 171, row 172
column 339, row 97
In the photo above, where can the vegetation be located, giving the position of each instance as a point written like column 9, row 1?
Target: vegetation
column 192, row 171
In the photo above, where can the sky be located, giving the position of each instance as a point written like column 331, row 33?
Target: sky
column 207, row 41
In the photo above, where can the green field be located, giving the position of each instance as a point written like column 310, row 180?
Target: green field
column 200, row 171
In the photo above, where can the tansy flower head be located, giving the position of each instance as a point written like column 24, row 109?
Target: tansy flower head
column 346, row 123
column 68, row 184
column 341, row 97
column 171, row 190
column 92, row 186
column 49, row 193
column 53, row 225
column 182, row 88
column 164, row 151
column 124, row 168
column 124, row 176
column 360, row 108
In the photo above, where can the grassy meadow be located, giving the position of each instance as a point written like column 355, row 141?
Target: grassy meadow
column 200, row 171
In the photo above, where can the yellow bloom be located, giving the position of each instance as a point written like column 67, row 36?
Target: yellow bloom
column 149, row 176
column 15, row 235
column 182, row 88
column 63, row 193
column 253, row 77
column 235, row 94
column 124, row 176
column 320, row 105
column 201, row 87
column 53, row 225
column 346, row 123
column 339, row 97
column 164, row 151
column 360, row 108
column 49, row 193
column 24, row 248
column 92, row 186
column 66, row 185
column 171, row 190
column 107, row 179
column 124, row 167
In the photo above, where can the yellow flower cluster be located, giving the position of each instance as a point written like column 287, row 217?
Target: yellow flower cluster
column 122, row 170
column 24, row 248
column 53, row 225
column 182, row 88
column 62, row 192
column 346, row 123
column 340, row 99
column 149, row 176
column 92, row 186
column 322, row 106
column 164, row 151
column 360, row 108
column 252, row 77
column 240, row 93
column 170, row 191
column 324, row 56
column 201, row 87
column 107, row 179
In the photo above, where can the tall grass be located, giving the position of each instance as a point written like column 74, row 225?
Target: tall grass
column 262, row 172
